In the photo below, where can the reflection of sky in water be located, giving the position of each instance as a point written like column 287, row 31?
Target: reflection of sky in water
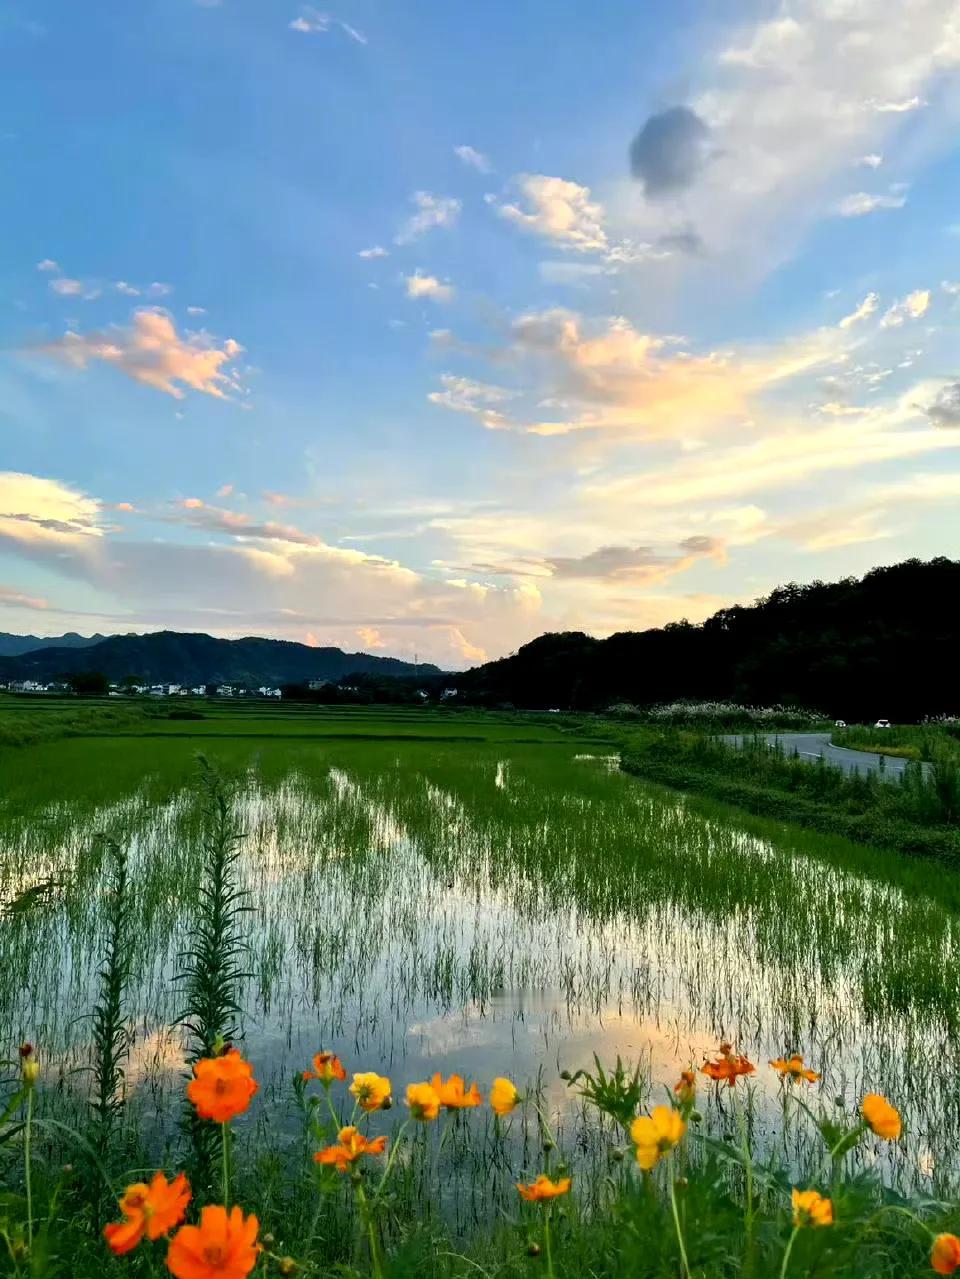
column 401, row 923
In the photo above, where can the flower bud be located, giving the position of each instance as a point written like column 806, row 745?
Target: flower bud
column 286, row 1265
column 533, row 1249
column 269, row 1240
column 617, row 1156
column 565, row 1076
column 31, row 1071
column 26, row 1050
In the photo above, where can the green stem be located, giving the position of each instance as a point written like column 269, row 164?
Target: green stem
column 748, row 1171
column 394, row 1148
column 787, row 1251
column 225, row 1130
column 369, row 1222
column 333, row 1114
column 27, row 1177
column 676, row 1221
column 548, row 1242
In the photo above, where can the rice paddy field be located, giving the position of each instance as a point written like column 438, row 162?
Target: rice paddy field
column 483, row 895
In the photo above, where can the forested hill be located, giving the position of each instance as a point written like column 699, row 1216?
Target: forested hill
column 189, row 658
column 887, row 644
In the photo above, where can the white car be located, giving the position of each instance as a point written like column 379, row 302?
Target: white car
column 882, row 723
column 840, row 723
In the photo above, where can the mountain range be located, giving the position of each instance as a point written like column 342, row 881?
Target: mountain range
column 14, row 645
column 194, row 658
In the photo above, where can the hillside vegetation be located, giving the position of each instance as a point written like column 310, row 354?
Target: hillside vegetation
column 857, row 649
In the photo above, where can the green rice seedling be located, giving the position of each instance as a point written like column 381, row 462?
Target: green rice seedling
column 110, row 1032
column 212, row 968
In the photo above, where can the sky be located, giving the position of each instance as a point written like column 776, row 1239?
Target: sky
column 423, row 329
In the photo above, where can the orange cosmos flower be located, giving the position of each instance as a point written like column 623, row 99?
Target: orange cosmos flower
column 811, row 1209
column 543, row 1188
column 793, row 1070
column 222, row 1086
column 729, row 1066
column 452, row 1095
column 945, row 1254
column 222, row 1247
column 881, row 1116
column 504, row 1097
column 371, row 1091
column 148, row 1210
column 686, row 1087
column 351, row 1144
column 424, row 1102
column 326, row 1068
column 656, row 1134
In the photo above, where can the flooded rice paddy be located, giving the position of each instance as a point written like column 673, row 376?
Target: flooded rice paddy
column 487, row 908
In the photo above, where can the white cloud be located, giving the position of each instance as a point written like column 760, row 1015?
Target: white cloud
column 566, row 214
column 561, row 211
column 465, row 395
column 152, row 352
column 862, row 202
column 912, row 307
column 128, row 290
column 472, row 158
column 427, row 286
column 865, row 309
column 871, row 161
column 432, row 211
column 67, row 288
column 898, row 108
column 48, row 264
column 375, row 251
column 353, row 33
column 39, row 513
column 791, row 103
column 312, row 22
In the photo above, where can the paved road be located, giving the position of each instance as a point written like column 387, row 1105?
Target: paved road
column 813, row 746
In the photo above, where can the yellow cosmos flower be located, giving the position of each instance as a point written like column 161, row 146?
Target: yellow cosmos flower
column 793, row 1070
column 371, row 1091
column 543, row 1188
column 656, row 1134
column 453, row 1094
column 811, row 1209
column 881, row 1116
column 504, row 1097
column 423, row 1101
column 945, row 1254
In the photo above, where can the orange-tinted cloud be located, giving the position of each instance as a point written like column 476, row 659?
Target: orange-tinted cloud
column 152, row 352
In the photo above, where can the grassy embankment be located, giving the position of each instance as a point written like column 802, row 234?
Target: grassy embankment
column 916, row 814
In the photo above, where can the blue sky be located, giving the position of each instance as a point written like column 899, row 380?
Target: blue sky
column 424, row 329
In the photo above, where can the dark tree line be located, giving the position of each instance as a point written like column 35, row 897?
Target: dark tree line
column 882, row 645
